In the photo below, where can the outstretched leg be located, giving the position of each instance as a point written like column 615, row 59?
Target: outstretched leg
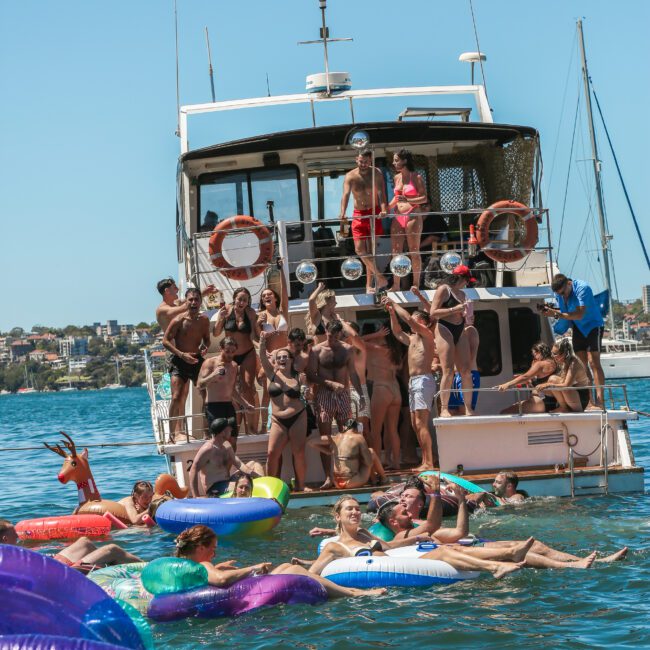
column 464, row 562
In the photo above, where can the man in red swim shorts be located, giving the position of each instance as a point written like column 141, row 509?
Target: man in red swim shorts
column 359, row 182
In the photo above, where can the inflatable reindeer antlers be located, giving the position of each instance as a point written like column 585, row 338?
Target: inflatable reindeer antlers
column 68, row 444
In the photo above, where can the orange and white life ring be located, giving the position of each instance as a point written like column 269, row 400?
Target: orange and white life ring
column 264, row 238
column 512, row 254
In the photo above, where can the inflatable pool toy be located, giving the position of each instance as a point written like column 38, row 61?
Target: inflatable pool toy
column 472, row 488
column 50, row 598
column 77, row 468
column 241, row 597
column 63, row 527
column 49, row 642
column 227, row 517
column 269, row 487
column 168, row 575
column 139, row 621
column 379, row 530
column 115, row 522
column 123, row 582
column 387, row 571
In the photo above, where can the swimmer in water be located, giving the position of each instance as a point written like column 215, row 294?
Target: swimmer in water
column 137, row 505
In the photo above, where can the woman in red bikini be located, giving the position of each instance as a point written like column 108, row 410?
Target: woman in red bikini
column 410, row 197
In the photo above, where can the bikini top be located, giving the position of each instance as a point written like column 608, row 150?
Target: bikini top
column 275, row 390
column 357, row 551
column 283, row 326
column 408, row 190
column 231, row 324
column 452, row 301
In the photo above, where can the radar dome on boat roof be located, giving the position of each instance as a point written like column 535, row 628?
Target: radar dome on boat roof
column 472, row 57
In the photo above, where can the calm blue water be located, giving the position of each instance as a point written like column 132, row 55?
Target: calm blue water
column 606, row 606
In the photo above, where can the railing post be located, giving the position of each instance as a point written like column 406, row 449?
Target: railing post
column 283, row 248
column 571, row 472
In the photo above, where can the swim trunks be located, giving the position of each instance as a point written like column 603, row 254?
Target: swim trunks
column 214, row 410
column 217, row 488
column 180, row 368
column 361, row 227
column 357, row 411
column 456, row 396
column 422, row 389
column 333, row 406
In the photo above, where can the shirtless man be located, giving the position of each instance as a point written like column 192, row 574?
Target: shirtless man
column 331, row 368
column 187, row 337
column 504, row 491
column 353, row 461
column 218, row 377
column 359, row 182
column 210, row 472
column 171, row 306
column 422, row 385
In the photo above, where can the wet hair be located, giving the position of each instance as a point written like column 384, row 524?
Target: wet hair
column 239, row 290
column 407, row 157
column 334, row 327
column 414, row 482
column 297, row 334
column 510, row 477
column 336, row 509
column 365, row 153
column 190, row 540
column 163, row 285
column 558, row 282
column 193, row 290
column 543, row 349
column 565, row 348
column 227, row 340
column 386, row 512
column 242, row 477
column 277, row 299
column 5, row 526
column 140, row 487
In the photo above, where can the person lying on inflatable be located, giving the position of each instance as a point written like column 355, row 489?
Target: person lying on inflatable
column 531, row 553
column 199, row 544
column 137, row 505
column 82, row 554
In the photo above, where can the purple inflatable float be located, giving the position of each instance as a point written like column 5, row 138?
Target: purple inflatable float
column 47, row 642
column 244, row 596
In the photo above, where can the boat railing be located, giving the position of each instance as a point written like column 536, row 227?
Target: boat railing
column 615, row 395
column 321, row 242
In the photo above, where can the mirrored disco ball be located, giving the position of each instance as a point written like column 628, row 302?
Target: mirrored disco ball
column 352, row 268
column 449, row 261
column 400, row 265
column 306, row 272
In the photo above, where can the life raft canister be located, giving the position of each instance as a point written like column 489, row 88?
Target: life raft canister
column 507, row 207
column 264, row 238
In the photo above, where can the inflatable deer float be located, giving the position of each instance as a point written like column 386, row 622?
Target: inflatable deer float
column 77, row 468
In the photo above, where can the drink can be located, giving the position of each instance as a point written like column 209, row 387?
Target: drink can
column 469, row 312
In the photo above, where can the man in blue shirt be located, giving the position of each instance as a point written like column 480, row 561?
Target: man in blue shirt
column 576, row 304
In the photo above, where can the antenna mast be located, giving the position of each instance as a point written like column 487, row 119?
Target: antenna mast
column 178, row 92
column 325, row 39
column 604, row 235
column 207, row 40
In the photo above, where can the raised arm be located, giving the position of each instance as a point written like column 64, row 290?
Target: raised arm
column 314, row 313
column 422, row 298
column 398, row 332
column 284, row 297
column 264, row 358
column 224, row 312
column 452, row 535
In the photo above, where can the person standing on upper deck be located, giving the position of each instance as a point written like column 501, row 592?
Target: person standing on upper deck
column 171, row 306
column 576, row 304
column 359, row 182
column 409, row 203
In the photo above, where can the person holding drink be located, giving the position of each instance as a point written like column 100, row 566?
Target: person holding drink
column 451, row 308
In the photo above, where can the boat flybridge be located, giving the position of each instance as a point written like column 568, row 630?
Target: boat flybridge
column 291, row 181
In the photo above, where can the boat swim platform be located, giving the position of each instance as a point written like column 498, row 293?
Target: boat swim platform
column 537, row 482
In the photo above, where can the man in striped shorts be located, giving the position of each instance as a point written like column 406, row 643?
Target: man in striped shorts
column 331, row 369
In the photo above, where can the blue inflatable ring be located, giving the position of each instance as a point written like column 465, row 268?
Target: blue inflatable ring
column 227, row 517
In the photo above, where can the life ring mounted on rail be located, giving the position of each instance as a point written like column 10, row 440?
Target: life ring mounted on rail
column 264, row 239
column 519, row 250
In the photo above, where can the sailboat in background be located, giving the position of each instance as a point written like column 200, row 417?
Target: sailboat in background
column 620, row 358
column 117, row 383
column 30, row 384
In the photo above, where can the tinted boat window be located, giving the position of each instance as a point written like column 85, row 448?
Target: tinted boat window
column 525, row 331
column 266, row 194
column 488, row 359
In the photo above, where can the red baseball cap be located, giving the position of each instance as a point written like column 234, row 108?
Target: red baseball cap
column 464, row 271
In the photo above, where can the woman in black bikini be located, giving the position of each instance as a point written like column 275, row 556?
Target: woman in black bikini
column 542, row 367
column 288, row 413
column 448, row 307
column 240, row 322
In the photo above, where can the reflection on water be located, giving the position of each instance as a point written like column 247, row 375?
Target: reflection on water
column 603, row 606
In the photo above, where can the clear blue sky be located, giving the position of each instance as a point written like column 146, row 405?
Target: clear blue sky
column 88, row 153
